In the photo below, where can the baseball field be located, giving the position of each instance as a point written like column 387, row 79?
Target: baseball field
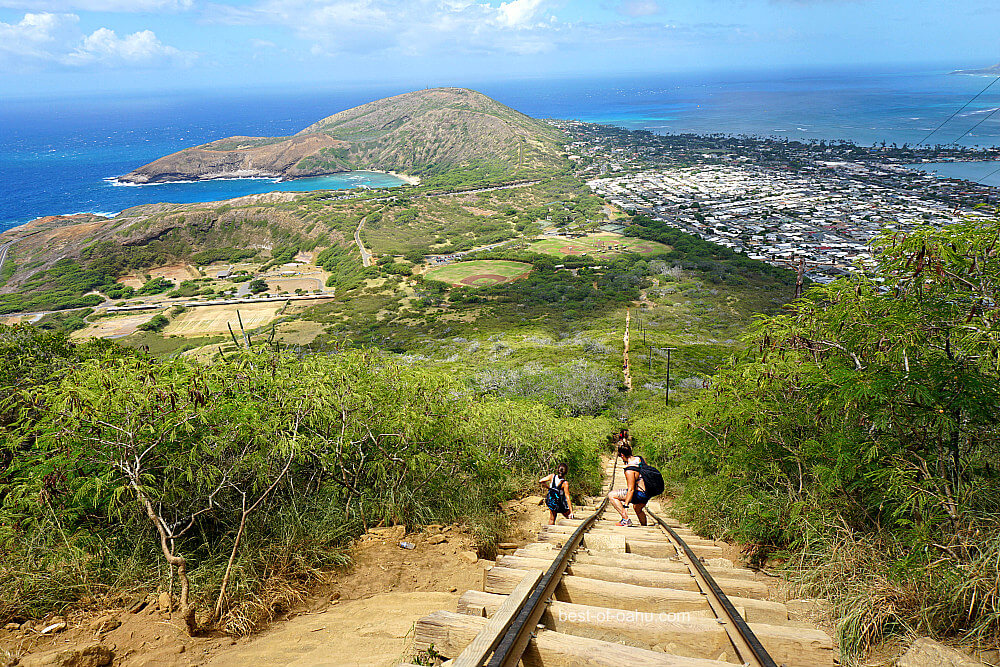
column 597, row 244
column 480, row 273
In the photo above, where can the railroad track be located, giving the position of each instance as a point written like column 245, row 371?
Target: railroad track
column 589, row 592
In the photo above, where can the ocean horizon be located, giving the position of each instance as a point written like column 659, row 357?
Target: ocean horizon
column 59, row 157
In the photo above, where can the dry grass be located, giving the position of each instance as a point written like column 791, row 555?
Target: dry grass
column 212, row 320
column 115, row 326
column 176, row 272
column 876, row 594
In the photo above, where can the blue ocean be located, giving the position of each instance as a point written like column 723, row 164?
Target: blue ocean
column 58, row 155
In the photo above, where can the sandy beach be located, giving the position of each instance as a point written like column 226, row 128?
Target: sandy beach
column 410, row 180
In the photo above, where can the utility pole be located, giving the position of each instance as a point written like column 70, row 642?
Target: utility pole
column 798, row 278
column 666, row 394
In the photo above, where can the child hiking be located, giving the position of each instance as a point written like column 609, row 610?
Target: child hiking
column 642, row 482
column 558, row 499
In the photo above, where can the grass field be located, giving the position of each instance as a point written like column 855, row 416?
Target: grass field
column 597, row 244
column 117, row 326
column 480, row 273
column 213, row 320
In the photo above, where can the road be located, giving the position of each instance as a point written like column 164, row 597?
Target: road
column 3, row 252
column 366, row 257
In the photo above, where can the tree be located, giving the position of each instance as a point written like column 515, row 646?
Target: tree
column 258, row 285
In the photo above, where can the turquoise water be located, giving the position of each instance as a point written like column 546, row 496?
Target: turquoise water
column 987, row 173
column 227, row 188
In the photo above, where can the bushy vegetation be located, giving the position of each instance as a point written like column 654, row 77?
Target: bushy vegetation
column 281, row 255
column 346, row 271
column 157, row 323
column 189, row 288
column 60, row 287
column 67, row 320
column 578, row 389
column 238, row 473
column 118, row 291
column 719, row 263
column 114, row 260
column 858, row 435
column 576, row 289
column 154, row 286
column 230, row 254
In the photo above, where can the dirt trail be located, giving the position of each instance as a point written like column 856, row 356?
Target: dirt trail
column 362, row 617
column 373, row 632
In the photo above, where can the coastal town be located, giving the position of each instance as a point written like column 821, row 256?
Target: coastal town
column 782, row 202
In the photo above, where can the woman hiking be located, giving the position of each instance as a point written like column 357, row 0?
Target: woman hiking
column 558, row 499
column 635, row 491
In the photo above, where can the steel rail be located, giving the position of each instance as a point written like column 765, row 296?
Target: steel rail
column 750, row 650
column 515, row 640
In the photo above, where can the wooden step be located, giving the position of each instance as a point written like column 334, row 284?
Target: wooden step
column 546, row 551
column 638, row 532
column 449, row 633
column 582, row 590
column 680, row 580
column 609, row 527
column 693, row 636
column 654, row 548
column 673, row 523
column 641, row 532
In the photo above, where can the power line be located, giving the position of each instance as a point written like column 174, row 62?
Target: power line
column 990, row 115
column 932, row 132
column 987, row 176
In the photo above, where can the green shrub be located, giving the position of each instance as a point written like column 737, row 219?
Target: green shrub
column 329, row 443
column 157, row 323
column 154, row 286
column 863, row 419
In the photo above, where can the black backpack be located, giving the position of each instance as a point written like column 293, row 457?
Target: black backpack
column 555, row 500
column 651, row 478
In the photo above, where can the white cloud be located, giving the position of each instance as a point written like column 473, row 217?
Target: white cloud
column 105, row 46
column 518, row 13
column 35, row 37
column 97, row 5
column 637, row 8
column 56, row 39
column 416, row 27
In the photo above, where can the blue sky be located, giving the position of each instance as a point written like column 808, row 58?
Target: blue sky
column 54, row 47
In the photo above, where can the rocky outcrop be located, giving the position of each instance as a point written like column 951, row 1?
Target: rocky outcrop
column 925, row 652
column 95, row 654
column 232, row 158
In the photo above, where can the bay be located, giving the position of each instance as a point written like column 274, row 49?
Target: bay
column 986, row 172
column 56, row 155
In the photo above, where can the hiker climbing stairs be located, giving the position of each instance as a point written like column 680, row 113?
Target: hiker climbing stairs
column 589, row 592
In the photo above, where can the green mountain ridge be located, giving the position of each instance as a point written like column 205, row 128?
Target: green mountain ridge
column 423, row 132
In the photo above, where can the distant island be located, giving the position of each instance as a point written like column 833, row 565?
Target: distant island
column 985, row 71
column 423, row 132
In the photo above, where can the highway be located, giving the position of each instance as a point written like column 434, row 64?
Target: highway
column 366, row 257
column 3, row 252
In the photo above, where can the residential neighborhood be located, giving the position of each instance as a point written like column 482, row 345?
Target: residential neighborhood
column 773, row 200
